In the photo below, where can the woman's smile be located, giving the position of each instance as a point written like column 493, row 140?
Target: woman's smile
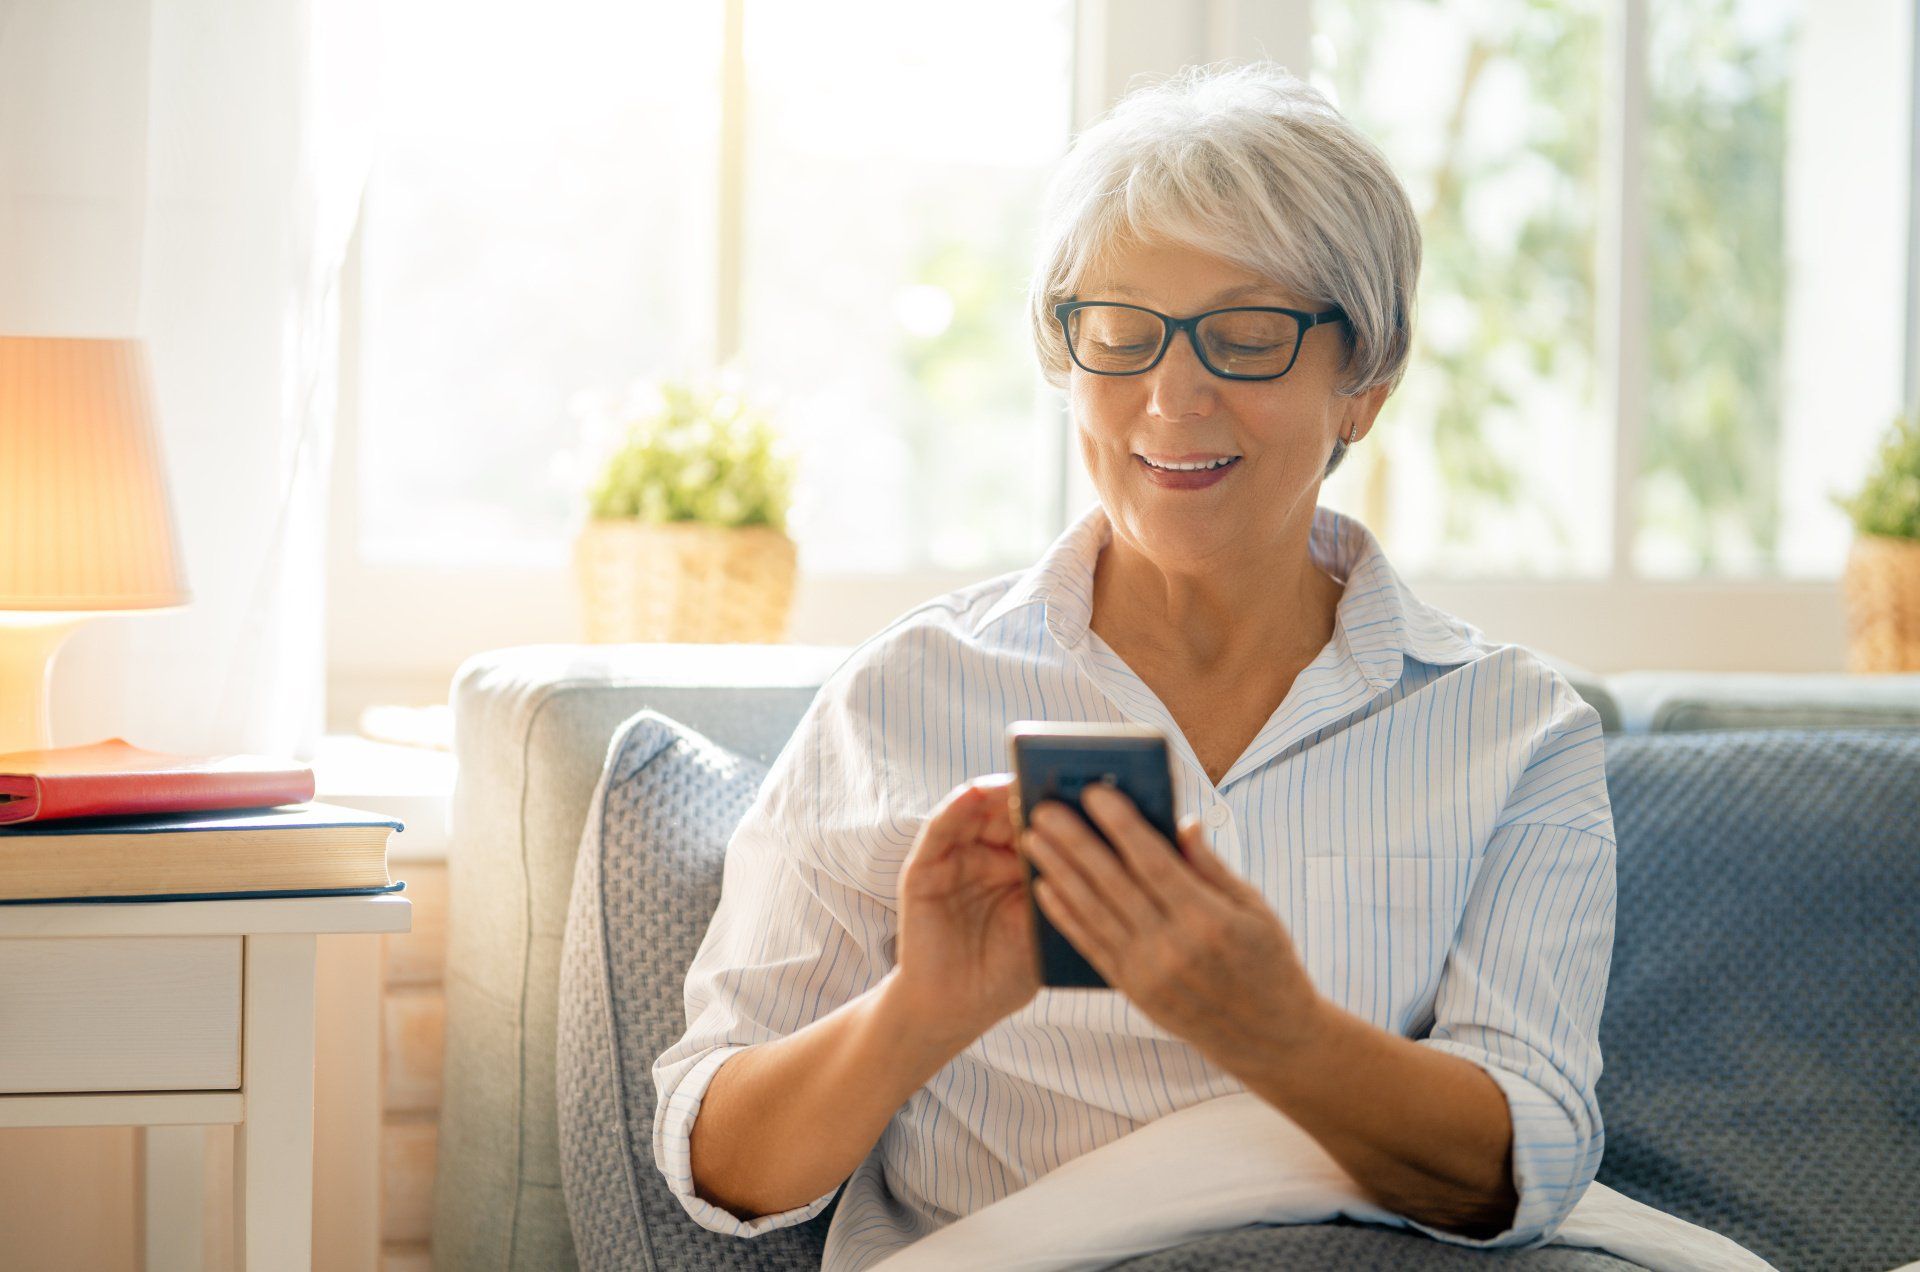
column 1186, row 478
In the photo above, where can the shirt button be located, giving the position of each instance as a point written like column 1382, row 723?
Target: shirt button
column 1216, row 816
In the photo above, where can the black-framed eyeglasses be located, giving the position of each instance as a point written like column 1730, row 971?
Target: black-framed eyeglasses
column 1251, row 342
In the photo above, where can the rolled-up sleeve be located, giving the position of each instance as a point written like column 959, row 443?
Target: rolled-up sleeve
column 1524, row 984
column 672, row 1148
column 796, row 933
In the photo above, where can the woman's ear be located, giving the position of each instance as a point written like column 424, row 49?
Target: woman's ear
column 1358, row 412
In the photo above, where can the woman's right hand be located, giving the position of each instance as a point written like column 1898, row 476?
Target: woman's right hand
column 966, row 954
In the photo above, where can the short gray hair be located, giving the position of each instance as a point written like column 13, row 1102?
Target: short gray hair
column 1252, row 164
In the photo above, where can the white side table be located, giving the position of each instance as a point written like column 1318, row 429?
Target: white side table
column 180, row 1014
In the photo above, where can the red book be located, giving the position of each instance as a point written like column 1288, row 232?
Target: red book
column 113, row 778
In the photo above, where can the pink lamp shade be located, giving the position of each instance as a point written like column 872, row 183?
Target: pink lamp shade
column 85, row 523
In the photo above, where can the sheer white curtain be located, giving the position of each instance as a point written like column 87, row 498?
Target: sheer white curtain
column 188, row 171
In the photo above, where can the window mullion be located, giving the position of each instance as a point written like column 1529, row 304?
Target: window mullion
column 730, row 237
column 1910, row 379
column 1621, row 277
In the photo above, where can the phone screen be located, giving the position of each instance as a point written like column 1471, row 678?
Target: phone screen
column 1058, row 761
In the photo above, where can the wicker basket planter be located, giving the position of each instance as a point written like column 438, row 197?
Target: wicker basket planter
column 1882, row 588
column 684, row 581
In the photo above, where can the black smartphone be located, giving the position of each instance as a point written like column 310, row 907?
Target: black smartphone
column 1057, row 761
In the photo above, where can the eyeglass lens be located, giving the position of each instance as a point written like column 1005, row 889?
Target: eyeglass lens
column 1112, row 338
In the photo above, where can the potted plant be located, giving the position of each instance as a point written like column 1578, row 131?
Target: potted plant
column 1882, row 579
column 686, row 534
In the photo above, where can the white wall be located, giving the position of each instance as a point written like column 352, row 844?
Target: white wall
column 158, row 177
column 168, row 169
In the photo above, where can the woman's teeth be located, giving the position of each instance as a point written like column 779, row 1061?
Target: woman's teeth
column 1191, row 468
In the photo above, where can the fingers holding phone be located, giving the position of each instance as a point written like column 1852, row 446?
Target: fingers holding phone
column 1057, row 762
column 965, row 949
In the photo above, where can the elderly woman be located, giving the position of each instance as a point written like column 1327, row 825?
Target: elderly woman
column 1391, row 911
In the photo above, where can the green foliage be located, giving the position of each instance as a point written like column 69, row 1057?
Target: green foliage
column 1716, row 263
column 984, row 472
column 706, row 455
column 1889, row 502
column 1529, row 284
column 1716, row 253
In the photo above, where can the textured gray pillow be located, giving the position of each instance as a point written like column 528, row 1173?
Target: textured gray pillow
column 644, row 890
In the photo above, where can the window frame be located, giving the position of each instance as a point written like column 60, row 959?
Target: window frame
column 399, row 632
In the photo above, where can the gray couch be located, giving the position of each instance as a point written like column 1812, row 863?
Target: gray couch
column 1777, row 1101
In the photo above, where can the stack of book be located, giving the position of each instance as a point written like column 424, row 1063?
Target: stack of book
column 114, row 822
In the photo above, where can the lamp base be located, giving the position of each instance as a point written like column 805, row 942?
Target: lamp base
column 28, row 644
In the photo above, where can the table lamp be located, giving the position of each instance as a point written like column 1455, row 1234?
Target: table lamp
column 86, row 528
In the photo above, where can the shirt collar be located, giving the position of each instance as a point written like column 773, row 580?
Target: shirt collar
column 1379, row 618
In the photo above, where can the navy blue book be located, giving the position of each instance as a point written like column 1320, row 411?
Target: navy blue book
column 293, row 850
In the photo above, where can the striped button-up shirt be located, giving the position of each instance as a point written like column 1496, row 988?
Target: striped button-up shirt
column 1426, row 811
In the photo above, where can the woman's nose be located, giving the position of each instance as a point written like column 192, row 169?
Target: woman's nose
column 1181, row 385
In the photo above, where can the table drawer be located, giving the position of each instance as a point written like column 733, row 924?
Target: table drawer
column 152, row 1013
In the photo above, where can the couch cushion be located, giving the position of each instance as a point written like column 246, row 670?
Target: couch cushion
column 1761, row 1033
column 647, row 883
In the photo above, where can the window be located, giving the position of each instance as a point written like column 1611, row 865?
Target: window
column 1718, row 73
column 537, row 223
column 541, row 226
column 1663, row 309
column 1484, row 461
column 893, row 199
column 1626, row 361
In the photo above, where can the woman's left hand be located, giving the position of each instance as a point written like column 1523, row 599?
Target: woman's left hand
column 1193, row 945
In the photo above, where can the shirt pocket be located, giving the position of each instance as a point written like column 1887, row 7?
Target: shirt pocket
column 1378, row 930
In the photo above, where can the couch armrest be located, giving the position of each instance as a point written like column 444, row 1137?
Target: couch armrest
column 531, row 730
